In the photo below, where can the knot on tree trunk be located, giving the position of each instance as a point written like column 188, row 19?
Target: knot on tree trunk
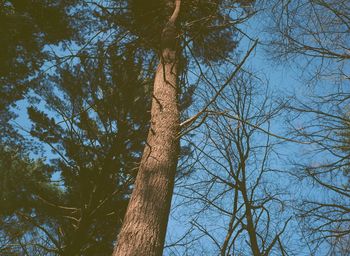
column 169, row 36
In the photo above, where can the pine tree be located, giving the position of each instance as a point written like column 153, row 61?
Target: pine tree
column 95, row 122
column 162, row 27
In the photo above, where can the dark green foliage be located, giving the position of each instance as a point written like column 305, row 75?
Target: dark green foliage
column 205, row 25
column 103, row 104
column 33, row 175
column 95, row 122
column 23, row 185
column 26, row 27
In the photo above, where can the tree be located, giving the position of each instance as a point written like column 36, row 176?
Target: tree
column 145, row 222
column 26, row 28
column 233, row 202
column 316, row 34
column 144, row 226
column 323, row 213
column 95, row 122
column 17, row 202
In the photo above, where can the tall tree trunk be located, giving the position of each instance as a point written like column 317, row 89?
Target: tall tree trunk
column 144, row 227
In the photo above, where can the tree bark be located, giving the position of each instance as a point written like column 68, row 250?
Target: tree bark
column 144, row 227
column 248, row 206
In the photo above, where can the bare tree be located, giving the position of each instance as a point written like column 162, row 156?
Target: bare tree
column 315, row 33
column 325, row 211
column 236, row 204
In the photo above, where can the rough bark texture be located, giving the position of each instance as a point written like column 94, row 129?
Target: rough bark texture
column 144, row 227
